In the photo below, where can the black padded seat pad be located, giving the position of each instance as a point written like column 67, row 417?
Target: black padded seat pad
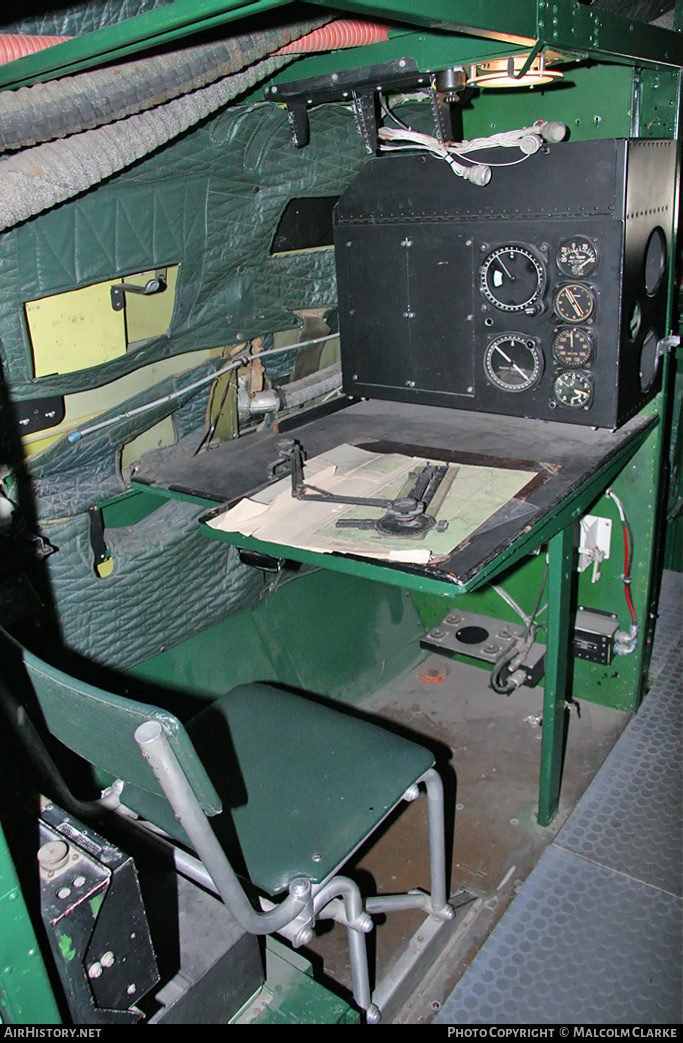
column 302, row 783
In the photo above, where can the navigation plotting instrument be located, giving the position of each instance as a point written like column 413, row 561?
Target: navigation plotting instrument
column 513, row 279
column 575, row 303
column 577, row 256
column 573, row 390
column 404, row 516
column 513, row 362
column 573, row 347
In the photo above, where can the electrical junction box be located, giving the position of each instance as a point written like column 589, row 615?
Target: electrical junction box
column 594, row 635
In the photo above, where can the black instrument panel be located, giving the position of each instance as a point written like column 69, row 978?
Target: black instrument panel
column 542, row 294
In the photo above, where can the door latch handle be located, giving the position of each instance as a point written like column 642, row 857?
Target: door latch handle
column 154, row 285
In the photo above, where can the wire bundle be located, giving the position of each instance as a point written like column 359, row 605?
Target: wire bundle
column 527, row 139
column 625, row 642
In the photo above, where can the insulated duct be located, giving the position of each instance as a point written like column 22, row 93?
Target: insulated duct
column 38, row 178
column 73, row 104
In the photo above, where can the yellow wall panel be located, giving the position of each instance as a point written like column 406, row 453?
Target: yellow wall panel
column 75, row 330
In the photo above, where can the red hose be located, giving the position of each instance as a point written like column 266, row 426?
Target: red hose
column 346, row 32
column 15, row 46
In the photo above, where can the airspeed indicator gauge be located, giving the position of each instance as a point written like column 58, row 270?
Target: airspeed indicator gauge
column 512, row 278
column 575, row 303
column 573, row 347
column 513, row 363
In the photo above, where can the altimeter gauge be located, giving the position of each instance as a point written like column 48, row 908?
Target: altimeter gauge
column 513, row 363
column 512, row 278
column 575, row 303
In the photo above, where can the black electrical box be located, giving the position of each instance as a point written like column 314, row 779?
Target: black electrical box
column 594, row 635
column 542, row 294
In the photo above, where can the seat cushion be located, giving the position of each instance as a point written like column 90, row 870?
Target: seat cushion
column 302, row 783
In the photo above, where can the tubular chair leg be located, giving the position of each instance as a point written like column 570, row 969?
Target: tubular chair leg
column 435, row 903
column 437, row 845
column 358, row 924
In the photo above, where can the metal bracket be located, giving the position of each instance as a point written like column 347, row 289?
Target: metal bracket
column 665, row 345
column 155, row 285
column 360, row 88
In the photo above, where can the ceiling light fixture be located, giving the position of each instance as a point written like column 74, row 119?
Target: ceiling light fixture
column 517, row 71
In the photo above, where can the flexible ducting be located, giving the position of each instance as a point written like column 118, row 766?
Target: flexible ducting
column 38, row 178
column 59, row 108
column 14, row 45
column 308, row 388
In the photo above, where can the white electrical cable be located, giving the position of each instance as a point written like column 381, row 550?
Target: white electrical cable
column 512, row 603
column 239, row 361
column 527, row 139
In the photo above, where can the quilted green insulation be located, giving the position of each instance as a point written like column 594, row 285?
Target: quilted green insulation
column 210, row 202
column 78, row 18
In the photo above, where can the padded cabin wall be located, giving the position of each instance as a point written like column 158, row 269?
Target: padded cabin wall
column 211, row 203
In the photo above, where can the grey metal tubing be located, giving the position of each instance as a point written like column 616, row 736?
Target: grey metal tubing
column 395, row 903
column 437, row 843
column 156, row 749
column 436, row 902
column 343, row 887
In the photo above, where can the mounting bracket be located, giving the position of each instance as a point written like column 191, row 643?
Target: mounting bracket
column 361, row 88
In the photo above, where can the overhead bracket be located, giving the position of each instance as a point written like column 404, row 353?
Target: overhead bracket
column 361, row 88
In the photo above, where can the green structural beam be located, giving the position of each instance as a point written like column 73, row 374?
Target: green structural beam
column 26, row 996
column 114, row 42
column 565, row 25
column 562, row 24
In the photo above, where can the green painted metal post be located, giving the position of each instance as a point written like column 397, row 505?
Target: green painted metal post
column 560, row 553
column 25, row 991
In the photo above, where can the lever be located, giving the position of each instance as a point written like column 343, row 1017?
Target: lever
column 154, row 285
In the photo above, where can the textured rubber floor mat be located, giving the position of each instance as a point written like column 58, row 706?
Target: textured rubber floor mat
column 580, row 944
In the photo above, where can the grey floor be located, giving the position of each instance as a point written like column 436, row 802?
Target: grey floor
column 594, row 934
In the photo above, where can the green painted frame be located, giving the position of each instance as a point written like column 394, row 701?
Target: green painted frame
column 555, row 531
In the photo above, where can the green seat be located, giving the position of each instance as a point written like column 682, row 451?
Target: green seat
column 312, row 781
column 291, row 786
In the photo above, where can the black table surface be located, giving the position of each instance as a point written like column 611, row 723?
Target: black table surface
column 564, row 458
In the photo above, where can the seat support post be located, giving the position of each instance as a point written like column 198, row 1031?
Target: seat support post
column 437, row 845
column 358, row 924
column 435, row 903
column 156, row 749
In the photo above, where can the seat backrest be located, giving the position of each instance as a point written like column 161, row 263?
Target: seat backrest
column 99, row 726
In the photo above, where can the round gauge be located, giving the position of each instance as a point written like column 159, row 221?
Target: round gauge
column 655, row 261
column 513, row 362
column 577, row 256
column 575, row 303
column 573, row 347
column 512, row 278
column 573, row 390
column 649, row 360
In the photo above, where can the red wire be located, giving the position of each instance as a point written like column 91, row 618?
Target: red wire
column 627, row 590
